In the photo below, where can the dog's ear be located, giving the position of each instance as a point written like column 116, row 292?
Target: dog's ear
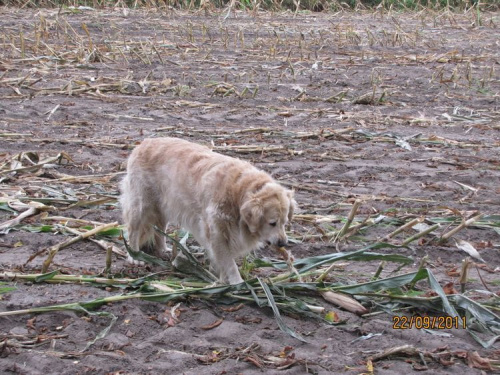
column 293, row 204
column 251, row 211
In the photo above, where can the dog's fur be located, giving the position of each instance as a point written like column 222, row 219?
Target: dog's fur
column 228, row 205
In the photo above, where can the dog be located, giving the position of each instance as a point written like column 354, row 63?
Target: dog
column 229, row 206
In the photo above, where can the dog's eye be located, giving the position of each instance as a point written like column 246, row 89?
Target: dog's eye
column 273, row 224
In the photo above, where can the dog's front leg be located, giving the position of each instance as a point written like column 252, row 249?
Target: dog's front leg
column 225, row 265
column 232, row 273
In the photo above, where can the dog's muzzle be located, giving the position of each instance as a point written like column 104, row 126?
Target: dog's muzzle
column 282, row 242
column 279, row 243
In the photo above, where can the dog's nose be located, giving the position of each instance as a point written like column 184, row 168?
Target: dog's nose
column 282, row 242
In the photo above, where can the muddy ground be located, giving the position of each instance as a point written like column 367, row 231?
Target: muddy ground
column 399, row 110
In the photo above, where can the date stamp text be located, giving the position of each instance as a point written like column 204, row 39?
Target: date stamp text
column 428, row 322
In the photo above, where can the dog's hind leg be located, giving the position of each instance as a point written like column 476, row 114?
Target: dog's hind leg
column 160, row 244
column 140, row 233
column 139, row 226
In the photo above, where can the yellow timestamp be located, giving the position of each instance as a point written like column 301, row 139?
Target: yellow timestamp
column 428, row 322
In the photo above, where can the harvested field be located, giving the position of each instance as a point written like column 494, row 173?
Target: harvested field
column 379, row 120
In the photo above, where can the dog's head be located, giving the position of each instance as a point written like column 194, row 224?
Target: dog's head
column 266, row 213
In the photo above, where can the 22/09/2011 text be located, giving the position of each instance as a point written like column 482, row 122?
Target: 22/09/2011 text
column 428, row 322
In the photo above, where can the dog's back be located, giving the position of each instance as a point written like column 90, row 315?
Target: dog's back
column 181, row 176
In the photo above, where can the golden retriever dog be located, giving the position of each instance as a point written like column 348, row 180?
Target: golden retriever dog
column 229, row 206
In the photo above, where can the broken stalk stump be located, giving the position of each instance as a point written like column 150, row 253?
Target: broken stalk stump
column 54, row 249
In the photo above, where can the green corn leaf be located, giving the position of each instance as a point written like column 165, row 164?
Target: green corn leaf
column 277, row 315
column 46, row 276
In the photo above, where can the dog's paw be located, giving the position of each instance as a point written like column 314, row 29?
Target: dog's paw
column 236, row 279
column 134, row 262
